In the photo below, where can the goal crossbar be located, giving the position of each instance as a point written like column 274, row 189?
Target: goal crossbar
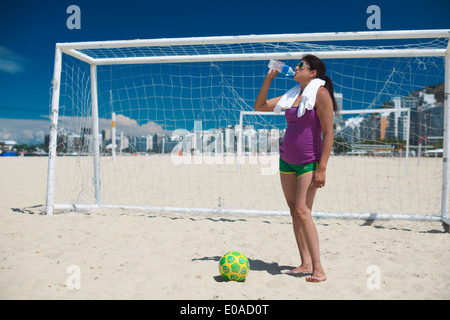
column 298, row 37
column 75, row 49
column 265, row 56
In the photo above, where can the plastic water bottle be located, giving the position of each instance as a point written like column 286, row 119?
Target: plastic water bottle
column 283, row 68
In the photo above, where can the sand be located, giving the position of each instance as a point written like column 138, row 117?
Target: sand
column 133, row 254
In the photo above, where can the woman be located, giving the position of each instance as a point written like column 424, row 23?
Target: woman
column 304, row 153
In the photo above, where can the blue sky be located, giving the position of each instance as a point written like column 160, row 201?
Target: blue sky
column 30, row 29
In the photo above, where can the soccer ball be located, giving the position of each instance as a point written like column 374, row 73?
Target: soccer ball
column 234, row 266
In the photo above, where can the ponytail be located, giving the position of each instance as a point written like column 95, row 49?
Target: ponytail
column 329, row 86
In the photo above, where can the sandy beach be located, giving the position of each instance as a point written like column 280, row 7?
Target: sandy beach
column 135, row 254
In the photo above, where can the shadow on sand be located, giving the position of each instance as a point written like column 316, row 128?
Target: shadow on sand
column 272, row 268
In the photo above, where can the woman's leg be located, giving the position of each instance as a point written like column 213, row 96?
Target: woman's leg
column 303, row 209
column 289, row 186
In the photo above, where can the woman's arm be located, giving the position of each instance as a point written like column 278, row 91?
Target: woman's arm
column 324, row 108
column 261, row 103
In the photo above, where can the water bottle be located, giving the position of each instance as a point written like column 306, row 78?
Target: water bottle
column 283, row 68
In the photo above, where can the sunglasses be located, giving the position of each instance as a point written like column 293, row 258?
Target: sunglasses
column 302, row 65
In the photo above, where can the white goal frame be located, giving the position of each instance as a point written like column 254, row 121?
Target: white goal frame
column 73, row 49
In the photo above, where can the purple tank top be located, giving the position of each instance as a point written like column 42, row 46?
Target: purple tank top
column 302, row 142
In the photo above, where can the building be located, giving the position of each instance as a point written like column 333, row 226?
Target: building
column 426, row 119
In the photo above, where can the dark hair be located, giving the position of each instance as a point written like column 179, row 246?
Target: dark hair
column 315, row 63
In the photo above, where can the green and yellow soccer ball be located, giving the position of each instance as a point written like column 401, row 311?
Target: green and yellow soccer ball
column 234, row 266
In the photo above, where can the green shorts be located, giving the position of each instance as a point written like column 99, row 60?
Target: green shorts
column 299, row 169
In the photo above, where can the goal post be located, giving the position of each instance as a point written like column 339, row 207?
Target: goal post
column 95, row 133
column 445, row 215
column 53, row 132
column 185, row 97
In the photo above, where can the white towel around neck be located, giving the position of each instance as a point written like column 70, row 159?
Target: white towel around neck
column 308, row 97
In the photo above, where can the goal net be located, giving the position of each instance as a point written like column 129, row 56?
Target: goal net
column 168, row 124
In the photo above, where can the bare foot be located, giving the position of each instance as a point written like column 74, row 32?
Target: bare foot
column 318, row 276
column 301, row 269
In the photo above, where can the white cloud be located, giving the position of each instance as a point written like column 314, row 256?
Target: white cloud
column 124, row 124
column 11, row 62
column 24, row 131
column 131, row 127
